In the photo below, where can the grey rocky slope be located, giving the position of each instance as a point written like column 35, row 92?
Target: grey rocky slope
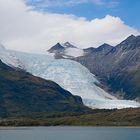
column 118, row 68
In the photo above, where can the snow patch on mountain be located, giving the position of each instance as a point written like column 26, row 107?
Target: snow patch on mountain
column 74, row 52
column 71, row 50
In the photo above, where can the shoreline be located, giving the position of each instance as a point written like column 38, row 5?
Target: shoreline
column 24, row 127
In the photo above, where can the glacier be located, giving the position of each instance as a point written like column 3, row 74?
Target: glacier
column 73, row 77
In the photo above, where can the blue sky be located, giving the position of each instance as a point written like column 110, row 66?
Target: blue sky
column 127, row 10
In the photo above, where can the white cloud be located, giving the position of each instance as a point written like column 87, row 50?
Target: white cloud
column 44, row 4
column 31, row 31
column 59, row 3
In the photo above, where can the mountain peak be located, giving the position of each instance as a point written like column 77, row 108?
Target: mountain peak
column 104, row 47
column 89, row 50
column 131, row 37
column 128, row 39
column 68, row 45
column 130, row 42
column 56, row 47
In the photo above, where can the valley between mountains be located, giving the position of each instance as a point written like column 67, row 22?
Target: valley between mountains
column 66, row 79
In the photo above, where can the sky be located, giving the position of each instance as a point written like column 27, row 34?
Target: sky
column 36, row 25
column 127, row 10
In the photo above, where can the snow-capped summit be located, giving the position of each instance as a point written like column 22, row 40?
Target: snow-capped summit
column 68, row 45
column 65, row 50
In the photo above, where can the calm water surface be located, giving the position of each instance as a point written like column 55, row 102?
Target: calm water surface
column 69, row 133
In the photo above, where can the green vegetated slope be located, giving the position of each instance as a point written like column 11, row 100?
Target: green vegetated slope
column 21, row 93
column 123, row 117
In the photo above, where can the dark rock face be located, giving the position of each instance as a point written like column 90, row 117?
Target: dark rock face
column 56, row 48
column 117, row 67
column 93, row 59
column 21, row 93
